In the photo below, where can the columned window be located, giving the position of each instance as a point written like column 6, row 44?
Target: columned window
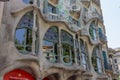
column 84, row 54
column 24, row 38
column 68, row 56
column 93, row 31
column 50, row 44
column 97, row 60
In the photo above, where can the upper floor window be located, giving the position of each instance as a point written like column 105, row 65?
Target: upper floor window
column 93, row 31
column 97, row 60
column 84, row 55
column 23, row 34
column 68, row 56
column 50, row 44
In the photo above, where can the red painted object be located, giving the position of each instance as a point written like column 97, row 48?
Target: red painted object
column 18, row 74
column 46, row 78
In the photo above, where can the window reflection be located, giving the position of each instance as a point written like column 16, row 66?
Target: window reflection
column 50, row 44
column 28, row 1
column 23, row 34
column 67, row 48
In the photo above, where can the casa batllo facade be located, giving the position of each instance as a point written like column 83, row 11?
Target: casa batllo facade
column 53, row 40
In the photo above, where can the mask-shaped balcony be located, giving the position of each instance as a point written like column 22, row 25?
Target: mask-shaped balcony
column 97, row 2
column 88, row 16
column 102, row 37
column 86, row 2
column 54, row 2
column 108, row 67
column 100, row 18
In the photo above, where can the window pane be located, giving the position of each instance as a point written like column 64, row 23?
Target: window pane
column 50, row 44
column 20, row 36
column 28, row 1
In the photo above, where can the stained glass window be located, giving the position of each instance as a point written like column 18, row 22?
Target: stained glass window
column 96, row 60
column 50, row 44
column 67, row 48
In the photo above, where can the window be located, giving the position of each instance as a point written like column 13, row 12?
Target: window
column 84, row 56
column 68, row 56
column 23, row 34
column 93, row 31
column 51, row 8
column 50, row 44
column 28, row 1
column 96, row 59
column 105, row 59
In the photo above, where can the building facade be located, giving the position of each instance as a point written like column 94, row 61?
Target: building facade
column 53, row 40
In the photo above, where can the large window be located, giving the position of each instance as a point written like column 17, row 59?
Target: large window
column 96, row 59
column 23, row 34
column 68, row 56
column 50, row 44
column 93, row 31
column 84, row 54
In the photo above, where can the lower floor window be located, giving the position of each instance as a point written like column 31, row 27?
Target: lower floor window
column 67, row 54
column 50, row 50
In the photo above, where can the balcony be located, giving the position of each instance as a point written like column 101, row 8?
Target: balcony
column 88, row 16
column 54, row 17
column 108, row 67
column 86, row 2
column 100, row 18
column 97, row 2
column 53, row 2
column 102, row 37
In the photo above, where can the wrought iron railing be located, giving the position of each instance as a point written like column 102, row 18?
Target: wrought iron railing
column 102, row 37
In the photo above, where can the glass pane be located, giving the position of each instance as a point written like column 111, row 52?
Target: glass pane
column 29, row 37
column 20, row 48
column 51, row 34
column 66, row 38
column 20, row 36
column 28, row 1
column 28, row 48
column 49, row 49
column 26, row 21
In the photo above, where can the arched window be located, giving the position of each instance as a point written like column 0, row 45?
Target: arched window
column 50, row 44
column 67, row 48
column 93, row 31
column 23, row 34
column 96, row 59
column 84, row 56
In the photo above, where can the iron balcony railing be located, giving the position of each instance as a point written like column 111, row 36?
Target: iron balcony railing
column 102, row 37
column 97, row 2
column 108, row 66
